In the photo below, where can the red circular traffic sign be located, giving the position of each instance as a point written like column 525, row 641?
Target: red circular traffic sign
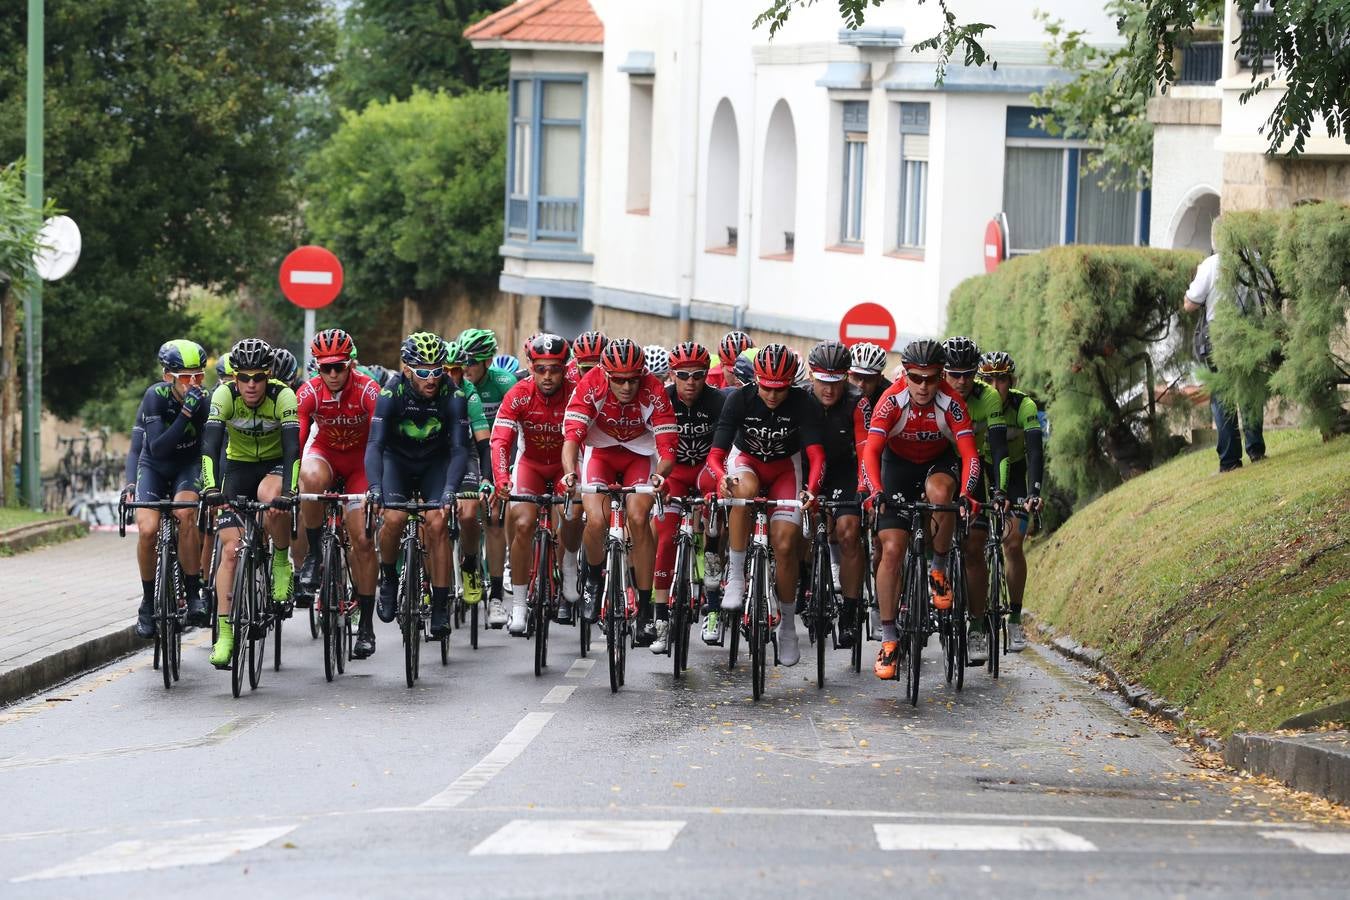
column 869, row 322
column 995, row 244
column 311, row 277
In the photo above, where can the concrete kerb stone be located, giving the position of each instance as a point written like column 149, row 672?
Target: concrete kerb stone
column 26, row 537
column 62, row 665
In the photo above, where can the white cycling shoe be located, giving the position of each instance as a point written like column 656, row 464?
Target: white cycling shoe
column 732, row 596
column 662, row 636
column 1017, row 637
column 977, row 647
column 571, row 589
column 519, row 619
column 789, row 651
column 496, row 612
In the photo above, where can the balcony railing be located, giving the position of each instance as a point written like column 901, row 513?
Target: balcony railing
column 1201, row 62
column 1247, row 46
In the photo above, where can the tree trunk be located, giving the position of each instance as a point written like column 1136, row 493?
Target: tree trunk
column 9, row 393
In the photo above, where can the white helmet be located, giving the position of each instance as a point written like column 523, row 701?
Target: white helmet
column 657, row 359
column 803, row 378
column 868, row 359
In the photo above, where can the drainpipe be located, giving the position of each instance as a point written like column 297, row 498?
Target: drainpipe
column 746, row 241
column 691, row 96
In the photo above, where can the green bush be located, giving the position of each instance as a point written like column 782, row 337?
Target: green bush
column 1079, row 321
column 1291, row 268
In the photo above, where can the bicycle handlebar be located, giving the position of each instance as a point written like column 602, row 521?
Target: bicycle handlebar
column 160, row 506
column 336, row 498
column 614, row 489
column 727, row 502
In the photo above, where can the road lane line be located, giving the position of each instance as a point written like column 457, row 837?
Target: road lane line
column 140, row 855
column 559, row 694
column 978, row 837
column 580, row 668
column 490, row 766
column 1316, row 841
column 558, row 836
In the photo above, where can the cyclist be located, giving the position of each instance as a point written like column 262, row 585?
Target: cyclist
column 962, row 360
column 757, row 450
column 657, row 359
column 529, row 425
column 742, row 372
column 697, row 411
column 623, row 418
column 416, row 445
column 509, row 364
column 335, row 408
column 914, row 428
column 732, row 345
column 164, row 463
column 286, row 368
column 262, row 462
column 1017, row 454
column 586, row 351
column 845, row 433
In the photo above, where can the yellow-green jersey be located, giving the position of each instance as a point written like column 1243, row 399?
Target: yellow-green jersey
column 1014, row 437
column 268, row 432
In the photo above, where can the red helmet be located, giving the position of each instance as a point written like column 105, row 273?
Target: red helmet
column 588, row 345
column 622, row 357
column 689, row 355
column 775, row 366
column 546, row 348
column 734, row 343
column 333, row 345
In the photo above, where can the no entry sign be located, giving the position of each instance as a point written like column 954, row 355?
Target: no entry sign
column 868, row 322
column 995, row 242
column 311, row 277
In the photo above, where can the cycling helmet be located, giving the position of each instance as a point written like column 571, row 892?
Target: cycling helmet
column 961, row 354
column 178, row 356
column 479, row 343
column 657, row 359
column 380, row 374
column 250, row 355
column 868, row 359
column 422, row 348
column 285, row 366
column 775, row 366
column 546, row 348
column 223, row 368
column 996, row 362
column 830, row 361
column 455, row 355
column 312, row 367
column 922, row 354
column 803, row 377
column 333, row 345
column 588, row 345
column 506, row 362
column 622, row 357
column 733, row 344
column 690, row 355
column 744, row 367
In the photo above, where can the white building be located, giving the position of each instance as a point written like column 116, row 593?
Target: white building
column 672, row 171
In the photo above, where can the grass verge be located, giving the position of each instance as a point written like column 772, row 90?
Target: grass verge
column 13, row 517
column 1229, row 595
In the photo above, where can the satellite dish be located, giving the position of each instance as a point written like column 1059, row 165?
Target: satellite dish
column 58, row 248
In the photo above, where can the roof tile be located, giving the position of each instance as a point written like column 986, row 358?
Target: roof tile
column 541, row 21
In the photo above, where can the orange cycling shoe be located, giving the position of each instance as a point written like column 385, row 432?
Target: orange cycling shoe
column 887, row 658
column 941, row 589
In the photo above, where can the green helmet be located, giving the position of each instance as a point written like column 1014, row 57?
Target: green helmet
column 422, row 348
column 479, row 343
column 223, row 367
column 455, row 355
column 180, row 355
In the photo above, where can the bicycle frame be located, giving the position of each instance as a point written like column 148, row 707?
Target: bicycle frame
column 413, row 612
column 169, row 588
column 334, row 600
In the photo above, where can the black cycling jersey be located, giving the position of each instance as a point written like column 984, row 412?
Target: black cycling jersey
column 769, row 434
column 841, row 437
column 163, row 437
column 696, row 423
column 418, row 429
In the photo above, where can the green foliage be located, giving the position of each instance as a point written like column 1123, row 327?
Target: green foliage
column 1292, row 339
column 1077, row 319
column 408, row 194
column 171, row 131
column 19, row 227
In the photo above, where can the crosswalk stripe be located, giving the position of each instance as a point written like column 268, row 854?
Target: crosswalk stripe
column 1316, row 841
column 554, row 836
column 978, row 837
column 140, row 855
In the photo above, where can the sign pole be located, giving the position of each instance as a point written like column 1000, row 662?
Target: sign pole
column 309, row 337
column 32, row 305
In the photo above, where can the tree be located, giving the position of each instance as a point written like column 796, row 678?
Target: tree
column 170, row 136
column 1305, row 41
column 388, row 47
column 408, row 194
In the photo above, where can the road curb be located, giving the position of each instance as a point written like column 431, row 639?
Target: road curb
column 27, row 537
column 1318, row 762
column 68, row 663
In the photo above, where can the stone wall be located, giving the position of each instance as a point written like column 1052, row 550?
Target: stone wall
column 1257, row 181
column 514, row 318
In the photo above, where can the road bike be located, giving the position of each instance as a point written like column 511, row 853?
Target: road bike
column 619, row 609
column 170, row 596
column 999, row 606
column 545, row 582
column 686, row 586
column 253, row 612
column 414, row 594
column 822, row 605
column 334, row 605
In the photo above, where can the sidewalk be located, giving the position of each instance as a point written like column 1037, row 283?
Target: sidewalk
column 64, row 610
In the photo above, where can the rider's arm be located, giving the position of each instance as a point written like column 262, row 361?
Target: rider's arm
column 384, row 408
column 137, row 439
column 813, row 441
column 733, row 411
column 161, row 441
column 481, row 428
column 213, row 436
column 664, row 427
column 1035, row 444
column 290, row 441
column 459, row 454
column 305, row 402
column 505, row 430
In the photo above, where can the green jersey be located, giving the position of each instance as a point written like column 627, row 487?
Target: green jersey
column 1018, row 415
column 478, row 421
column 254, row 432
column 982, row 404
column 490, row 392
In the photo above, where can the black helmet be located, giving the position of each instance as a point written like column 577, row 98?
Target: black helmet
column 830, row 361
column 250, row 355
column 996, row 362
column 284, row 365
column 923, row 354
column 962, row 354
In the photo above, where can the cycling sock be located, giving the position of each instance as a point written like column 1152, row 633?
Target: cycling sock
column 594, row 571
column 888, row 632
column 315, row 537
column 193, row 583
column 940, row 562
column 148, row 592
column 736, row 565
column 496, row 591
column 1015, row 615
column 788, row 612
column 440, row 594
column 367, row 607
column 468, row 563
column 281, row 555
column 387, row 573
column 662, row 612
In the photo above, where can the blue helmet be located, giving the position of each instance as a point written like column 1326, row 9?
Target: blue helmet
column 507, row 363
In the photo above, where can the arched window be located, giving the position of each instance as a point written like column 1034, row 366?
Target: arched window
column 724, row 179
column 779, row 212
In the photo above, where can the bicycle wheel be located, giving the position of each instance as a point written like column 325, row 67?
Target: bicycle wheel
column 257, row 630
column 757, row 606
column 541, row 603
column 960, row 619
column 313, row 619
column 996, row 610
column 613, row 639
column 166, row 610
column 410, row 605
column 239, row 620
column 822, row 596
column 326, row 602
column 916, row 593
column 678, row 635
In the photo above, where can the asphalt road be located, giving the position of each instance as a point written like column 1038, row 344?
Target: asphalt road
column 487, row 781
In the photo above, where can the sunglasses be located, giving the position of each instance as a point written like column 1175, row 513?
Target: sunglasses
column 251, row 377
column 914, row 378
column 547, row 370
column 189, row 377
column 429, row 373
column 961, row 373
column 690, row 374
column 332, row 368
column 625, row 382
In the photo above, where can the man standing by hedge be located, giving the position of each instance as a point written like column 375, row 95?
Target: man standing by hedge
column 1203, row 294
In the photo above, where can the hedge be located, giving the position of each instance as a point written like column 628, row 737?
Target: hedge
column 1078, row 321
column 1292, row 268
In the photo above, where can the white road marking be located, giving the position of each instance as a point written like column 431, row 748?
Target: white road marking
column 580, row 668
column 863, row 332
column 978, row 837
column 486, row 769
column 216, row 736
column 559, row 694
column 140, row 855
column 553, row 836
column 1316, row 841
column 303, row 276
